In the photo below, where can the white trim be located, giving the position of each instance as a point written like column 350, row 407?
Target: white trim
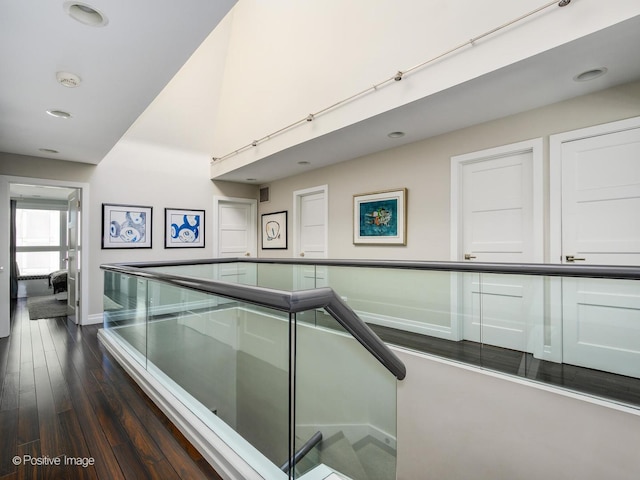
column 217, row 200
column 556, row 142
column 555, row 174
column 535, row 146
column 5, row 195
column 297, row 195
column 229, row 464
column 95, row 318
column 457, row 162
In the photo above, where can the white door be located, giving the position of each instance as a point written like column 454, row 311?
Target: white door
column 499, row 204
column 310, row 234
column 599, row 171
column 73, row 255
column 310, row 230
column 236, row 236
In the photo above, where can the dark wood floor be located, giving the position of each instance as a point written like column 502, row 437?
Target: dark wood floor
column 63, row 396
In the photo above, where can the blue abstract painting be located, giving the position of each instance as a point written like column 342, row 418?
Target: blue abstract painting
column 127, row 226
column 379, row 218
column 185, row 228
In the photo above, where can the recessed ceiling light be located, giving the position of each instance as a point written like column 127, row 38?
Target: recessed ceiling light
column 590, row 74
column 68, row 79
column 304, row 162
column 396, row 135
column 59, row 114
column 250, row 179
column 48, row 150
column 86, row 14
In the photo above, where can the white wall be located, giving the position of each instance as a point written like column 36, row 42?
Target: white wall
column 135, row 173
column 424, row 169
column 287, row 59
column 459, row 423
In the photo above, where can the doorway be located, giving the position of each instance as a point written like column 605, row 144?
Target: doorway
column 310, row 235
column 81, row 290
column 595, row 200
column 235, row 235
column 496, row 216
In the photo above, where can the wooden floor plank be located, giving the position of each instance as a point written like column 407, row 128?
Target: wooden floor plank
column 66, row 397
column 79, row 463
column 28, row 424
column 28, row 471
column 10, row 391
column 8, row 444
column 37, row 350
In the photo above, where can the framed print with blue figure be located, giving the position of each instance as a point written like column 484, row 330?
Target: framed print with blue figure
column 274, row 231
column 380, row 218
column 183, row 228
column 126, row 226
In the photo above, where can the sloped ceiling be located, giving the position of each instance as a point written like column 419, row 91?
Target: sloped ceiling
column 122, row 65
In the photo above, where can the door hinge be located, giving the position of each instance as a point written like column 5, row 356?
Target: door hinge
column 77, row 303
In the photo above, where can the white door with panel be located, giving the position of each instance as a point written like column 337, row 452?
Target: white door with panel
column 73, row 255
column 496, row 210
column 236, row 236
column 310, row 234
column 599, row 203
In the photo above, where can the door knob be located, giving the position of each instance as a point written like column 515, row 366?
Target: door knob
column 468, row 256
column 302, row 254
column 571, row 258
column 247, row 254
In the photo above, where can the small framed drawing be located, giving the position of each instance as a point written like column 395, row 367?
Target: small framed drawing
column 126, row 226
column 380, row 218
column 183, row 228
column 274, row 231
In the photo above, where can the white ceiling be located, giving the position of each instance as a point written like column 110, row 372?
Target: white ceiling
column 122, row 66
column 540, row 80
column 125, row 64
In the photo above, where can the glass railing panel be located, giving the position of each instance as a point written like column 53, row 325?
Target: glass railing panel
column 347, row 395
column 125, row 311
column 420, row 309
column 229, row 361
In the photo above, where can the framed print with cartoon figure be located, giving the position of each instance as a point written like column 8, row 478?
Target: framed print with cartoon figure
column 126, row 226
column 274, row 231
column 183, row 228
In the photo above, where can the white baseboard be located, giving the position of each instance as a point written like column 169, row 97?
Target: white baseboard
column 94, row 319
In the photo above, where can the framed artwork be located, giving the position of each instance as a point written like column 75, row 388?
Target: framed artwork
column 380, row 218
column 183, row 228
column 126, row 226
column 274, row 231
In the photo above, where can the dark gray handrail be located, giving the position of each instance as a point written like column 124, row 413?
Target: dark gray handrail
column 292, row 302
column 300, row 454
column 545, row 269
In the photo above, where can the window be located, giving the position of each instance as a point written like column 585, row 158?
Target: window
column 41, row 238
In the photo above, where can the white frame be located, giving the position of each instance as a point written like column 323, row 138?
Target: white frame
column 457, row 162
column 5, row 181
column 555, row 175
column 297, row 196
column 399, row 194
column 253, row 203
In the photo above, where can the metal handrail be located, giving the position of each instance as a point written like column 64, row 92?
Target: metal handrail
column 544, row 269
column 291, row 302
column 300, row 454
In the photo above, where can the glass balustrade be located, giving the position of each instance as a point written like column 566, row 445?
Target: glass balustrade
column 258, row 376
column 276, row 379
column 571, row 332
